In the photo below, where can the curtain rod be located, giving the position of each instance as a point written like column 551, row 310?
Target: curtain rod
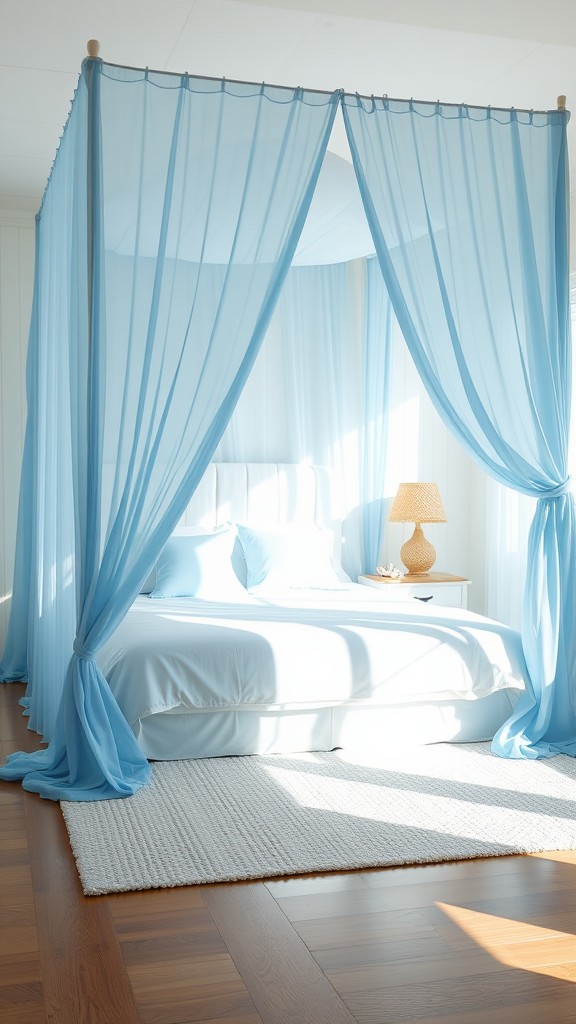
column 93, row 48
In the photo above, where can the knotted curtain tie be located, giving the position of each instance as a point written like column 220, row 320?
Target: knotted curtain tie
column 83, row 652
column 557, row 492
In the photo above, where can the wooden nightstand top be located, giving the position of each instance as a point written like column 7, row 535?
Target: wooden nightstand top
column 431, row 577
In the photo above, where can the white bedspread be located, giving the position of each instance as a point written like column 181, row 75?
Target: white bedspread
column 305, row 649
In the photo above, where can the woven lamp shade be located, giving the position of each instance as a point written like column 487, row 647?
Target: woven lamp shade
column 418, row 503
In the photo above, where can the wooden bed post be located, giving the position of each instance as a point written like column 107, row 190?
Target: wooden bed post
column 93, row 47
column 561, row 103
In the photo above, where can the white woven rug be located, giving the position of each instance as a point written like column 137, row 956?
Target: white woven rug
column 256, row 817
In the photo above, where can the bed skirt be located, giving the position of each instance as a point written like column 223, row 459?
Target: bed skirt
column 245, row 731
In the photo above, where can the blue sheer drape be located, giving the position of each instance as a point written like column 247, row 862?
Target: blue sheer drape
column 190, row 182
column 377, row 396
column 320, row 384
column 468, row 209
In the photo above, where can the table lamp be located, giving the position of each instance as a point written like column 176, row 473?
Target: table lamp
column 417, row 503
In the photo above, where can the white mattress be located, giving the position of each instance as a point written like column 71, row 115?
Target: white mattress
column 304, row 650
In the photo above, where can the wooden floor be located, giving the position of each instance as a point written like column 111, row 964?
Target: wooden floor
column 465, row 943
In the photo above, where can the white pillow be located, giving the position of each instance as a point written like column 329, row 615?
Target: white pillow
column 199, row 565
column 287, row 555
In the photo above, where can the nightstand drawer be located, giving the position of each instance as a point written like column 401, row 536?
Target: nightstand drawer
column 445, row 594
column 453, row 592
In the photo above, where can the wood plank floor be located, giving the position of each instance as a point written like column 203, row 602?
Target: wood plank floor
column 463, row 943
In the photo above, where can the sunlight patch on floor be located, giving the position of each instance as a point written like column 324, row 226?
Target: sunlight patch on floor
column 518, row 944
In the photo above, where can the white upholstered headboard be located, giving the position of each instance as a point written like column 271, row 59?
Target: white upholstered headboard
column 267, row 492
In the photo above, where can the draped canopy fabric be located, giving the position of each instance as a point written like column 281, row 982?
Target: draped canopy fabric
column 321, row 385
column 171, row 218
column 140, row 345
column 469, row 213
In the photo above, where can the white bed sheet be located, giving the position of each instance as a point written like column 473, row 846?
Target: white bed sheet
column 303, row 650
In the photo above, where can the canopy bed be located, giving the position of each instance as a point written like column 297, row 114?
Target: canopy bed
column 303, row 659
column 168, row 226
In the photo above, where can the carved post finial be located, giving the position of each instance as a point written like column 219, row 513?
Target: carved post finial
column 561, row 103
column 93, row 47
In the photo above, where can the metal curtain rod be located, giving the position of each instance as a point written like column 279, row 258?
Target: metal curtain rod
column 93, row 47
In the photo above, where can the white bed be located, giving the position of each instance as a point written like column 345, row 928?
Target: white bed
column 306, row 668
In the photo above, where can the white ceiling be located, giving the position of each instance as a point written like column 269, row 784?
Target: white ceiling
column 501, row 52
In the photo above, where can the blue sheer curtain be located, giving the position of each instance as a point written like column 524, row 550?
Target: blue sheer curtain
column 164, row 186
column 377, row 397
column 320, row 386
column 468, row 208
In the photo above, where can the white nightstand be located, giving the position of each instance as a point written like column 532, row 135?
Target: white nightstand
column 435, row 587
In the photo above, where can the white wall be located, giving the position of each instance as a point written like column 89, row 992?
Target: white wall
column 16, row 279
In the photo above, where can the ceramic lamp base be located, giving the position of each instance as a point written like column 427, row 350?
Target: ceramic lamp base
column 418, row 554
